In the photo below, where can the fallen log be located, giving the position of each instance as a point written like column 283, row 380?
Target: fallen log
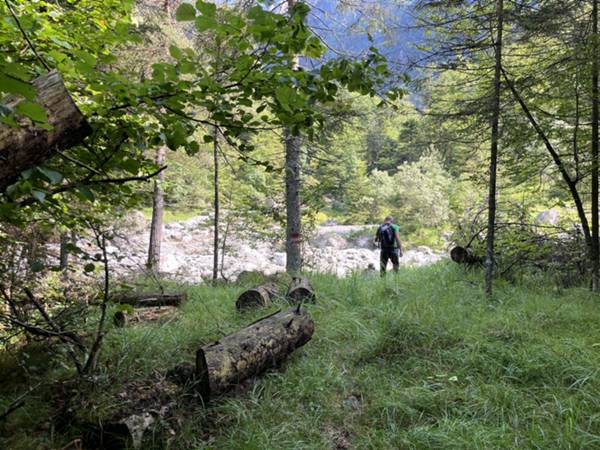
column 146, row 315
column 259, row 296
column 27, row 146
column 301, row 291
column 226, row 363
column 138, row 300
column 462, row 255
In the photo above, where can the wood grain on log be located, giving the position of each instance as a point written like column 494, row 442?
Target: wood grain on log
column 301, row 291
column 27, row 146
column 250, row 351
column 149, row 300
column 262, row 295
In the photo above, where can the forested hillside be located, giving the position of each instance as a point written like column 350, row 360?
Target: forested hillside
column 198, row 202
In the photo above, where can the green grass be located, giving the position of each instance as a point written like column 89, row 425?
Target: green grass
column 421, row 360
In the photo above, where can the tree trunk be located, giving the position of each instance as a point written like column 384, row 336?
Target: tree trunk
column 259, row 296
column 595, row 253
column 64, row 251
column 301, row 291
column 25, row 147
column 216, row 201
column 251, row 351
column 158, row 209
column 489, row 260
column 293, row 238
column 147, row 300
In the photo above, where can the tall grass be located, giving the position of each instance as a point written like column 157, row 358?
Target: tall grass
column 419, row 360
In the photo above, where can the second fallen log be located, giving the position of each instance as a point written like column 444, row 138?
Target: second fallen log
column 138, row 300
column 259, row 296
column 301, row 291
column 464, row 255
column 250, row 351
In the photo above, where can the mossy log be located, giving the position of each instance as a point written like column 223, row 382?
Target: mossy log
column 234, row 358
column 27, row 146
column 301, row 291
column 138, row 300
column 462, row 255
column 262, row 295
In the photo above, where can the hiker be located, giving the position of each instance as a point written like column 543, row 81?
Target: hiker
column 388, row 239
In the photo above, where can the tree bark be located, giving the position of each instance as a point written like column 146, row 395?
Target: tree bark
column 216, row 203
column 251, row 351
column 158, row 210
column 489, row 260
column 259, row 296
column 27, row 146
column 595, row 253
column 148, row 300
column 293, row 238
column 301, row 291
column 64, row 251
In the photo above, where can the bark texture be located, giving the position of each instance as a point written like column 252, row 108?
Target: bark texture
column 259, row 296
column 495, row 120
column 248, row 352
column 149, row 300
column 158, row 209
column 595, row 254
column 293, row 238
column 27, row 146
column 301, row 291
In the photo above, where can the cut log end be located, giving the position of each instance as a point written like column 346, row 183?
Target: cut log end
column 262, row 295
column 462, row 255
column 301, row 291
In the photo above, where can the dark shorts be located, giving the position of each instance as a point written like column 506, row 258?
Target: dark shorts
column 389, row 254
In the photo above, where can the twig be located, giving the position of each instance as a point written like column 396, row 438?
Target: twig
column 31, row 46
column 18, row 402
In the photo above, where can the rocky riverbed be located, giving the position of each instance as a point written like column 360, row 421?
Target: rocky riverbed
column 187, row 250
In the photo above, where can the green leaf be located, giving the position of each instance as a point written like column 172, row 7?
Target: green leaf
column 52, row 175
column 185, row 13
column 32, row 110
column 204, row 23
column 207, row 9
column 89, row 267
column 13, row 86
column 175, row 52
column 39, row 195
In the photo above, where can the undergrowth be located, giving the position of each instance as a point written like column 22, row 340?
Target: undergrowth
column 420, row 360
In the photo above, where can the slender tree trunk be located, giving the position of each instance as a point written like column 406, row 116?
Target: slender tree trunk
column 216, row 202
column 158, row 207
column 595, row 253
column 489, row 260
column 64, row 251
column 293, row 230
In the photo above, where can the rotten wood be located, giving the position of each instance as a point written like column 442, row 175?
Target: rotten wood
column 262, row 295
column 264, row 344
column 29, row 145
column 301, row 291
column 143, row 300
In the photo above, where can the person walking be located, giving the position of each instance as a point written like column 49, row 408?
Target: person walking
column 388, row 239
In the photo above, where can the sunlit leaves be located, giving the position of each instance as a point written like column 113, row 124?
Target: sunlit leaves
column 185, row 12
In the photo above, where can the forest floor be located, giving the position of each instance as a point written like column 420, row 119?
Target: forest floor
column 419, row 360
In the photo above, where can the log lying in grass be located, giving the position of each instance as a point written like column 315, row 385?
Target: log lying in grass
column 138, row 300
column 27, row 146
column 301, row 291
column 248, row 352
column 462, row 255
column 259, row 296
column 145, row 315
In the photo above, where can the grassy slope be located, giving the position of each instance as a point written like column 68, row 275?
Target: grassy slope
column 420, row 360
